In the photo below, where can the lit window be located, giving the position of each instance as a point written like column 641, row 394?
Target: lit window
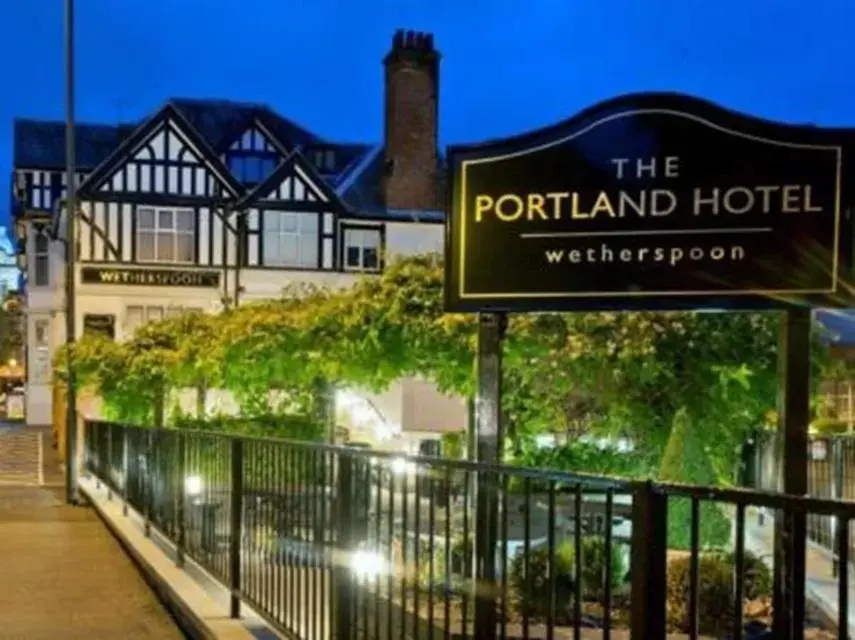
column 362, row 249
column 41, row 257
column 166, row 235
column 290, row 239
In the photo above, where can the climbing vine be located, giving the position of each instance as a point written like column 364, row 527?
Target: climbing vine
column 573, row 375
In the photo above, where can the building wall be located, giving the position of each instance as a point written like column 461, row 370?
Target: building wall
column 46, row 304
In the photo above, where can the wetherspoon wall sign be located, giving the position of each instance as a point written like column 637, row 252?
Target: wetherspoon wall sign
column 149, row 277
column 650, row 201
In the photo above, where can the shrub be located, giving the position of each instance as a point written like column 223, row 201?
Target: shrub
column 715, row 594
column 533, row 594
column 533, row 590
column 593, row 567
column 756, row 576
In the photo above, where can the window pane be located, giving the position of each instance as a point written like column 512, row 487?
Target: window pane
column 172, row 312
column 271, row 221
column 153, row 314
column 145, row 245
column 288, row 249
column 352, row 257
column 133, row 318
column 288, row 222
column 165, row 219
column 309, row 223
column 371, row 239
column 42, row 274
column 308, row 251
column 165, row 242
column 252, row 170
column 370, row 258
column 185, row 220
column 185, row 247
column 145, row 218
column 42, row 242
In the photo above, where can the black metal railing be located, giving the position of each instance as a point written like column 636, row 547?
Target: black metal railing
column 341, row 543
column 831, row 474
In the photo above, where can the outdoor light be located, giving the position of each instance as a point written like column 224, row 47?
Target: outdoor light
column 401, row 466
column 367, row 564
column 193, row 485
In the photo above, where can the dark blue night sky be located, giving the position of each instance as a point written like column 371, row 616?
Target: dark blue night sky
column 508, row 65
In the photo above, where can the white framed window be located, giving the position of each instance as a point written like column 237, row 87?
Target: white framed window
column 166, row 235
column 290, row 239
column 41, row 259
column 361, row 249
column 138, row 315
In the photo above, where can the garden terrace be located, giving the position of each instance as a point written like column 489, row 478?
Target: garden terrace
column 327, row 541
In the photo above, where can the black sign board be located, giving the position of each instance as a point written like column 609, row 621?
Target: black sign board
column 150, row 277
column 104, row 324
column 650, row 201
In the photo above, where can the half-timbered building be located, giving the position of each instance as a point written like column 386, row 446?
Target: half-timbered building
column 210, row 202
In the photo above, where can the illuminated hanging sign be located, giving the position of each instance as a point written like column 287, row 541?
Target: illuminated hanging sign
column 649, row 201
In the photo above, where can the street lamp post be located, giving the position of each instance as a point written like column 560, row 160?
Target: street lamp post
column 71, row 470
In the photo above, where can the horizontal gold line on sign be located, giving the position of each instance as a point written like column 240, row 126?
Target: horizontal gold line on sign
column 649, row 232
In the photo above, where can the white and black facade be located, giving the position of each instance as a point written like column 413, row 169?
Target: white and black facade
column 209, row 202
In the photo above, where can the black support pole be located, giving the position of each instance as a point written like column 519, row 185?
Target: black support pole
column 489, row 440
column 794, row 364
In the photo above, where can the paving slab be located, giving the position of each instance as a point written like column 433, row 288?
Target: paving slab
column 63, row 575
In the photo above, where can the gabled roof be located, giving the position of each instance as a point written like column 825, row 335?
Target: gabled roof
column 220, row 121
column 141, row 133
column 40, row 144
column 360, row 168
column 287, row 169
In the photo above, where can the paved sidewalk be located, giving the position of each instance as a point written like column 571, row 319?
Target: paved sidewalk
column 820, row 585
column 63, row 576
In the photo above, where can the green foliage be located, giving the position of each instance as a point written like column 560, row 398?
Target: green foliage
column 453, row 445
column 598, row 374
column 11, row 334
column 584, row 457
column 532, row 591
column 532, row 588
column 829, row 426
column 686, row 460
column 715, row 594
column 285, row 426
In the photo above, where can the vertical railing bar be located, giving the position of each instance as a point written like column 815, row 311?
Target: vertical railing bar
column 607, row 585
column 694, row 566
column 739, row 570
column 235, row 537
column 180, row 499
column 417, row 529
column 577, row 562
column 526, row 548
column 551, row 572
column 504, row 534
column 843, row 576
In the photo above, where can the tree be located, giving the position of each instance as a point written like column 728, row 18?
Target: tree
column 11, row 331
column 600, row 374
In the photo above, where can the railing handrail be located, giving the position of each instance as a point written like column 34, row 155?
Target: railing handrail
column 596, row 483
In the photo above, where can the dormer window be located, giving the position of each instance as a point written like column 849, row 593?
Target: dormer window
column 324, row 161
column 251, row 167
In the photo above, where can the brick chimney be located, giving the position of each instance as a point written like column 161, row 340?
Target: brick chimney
column 412, row 88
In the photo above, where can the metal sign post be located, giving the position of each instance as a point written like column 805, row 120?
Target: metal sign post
column 71, row 470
